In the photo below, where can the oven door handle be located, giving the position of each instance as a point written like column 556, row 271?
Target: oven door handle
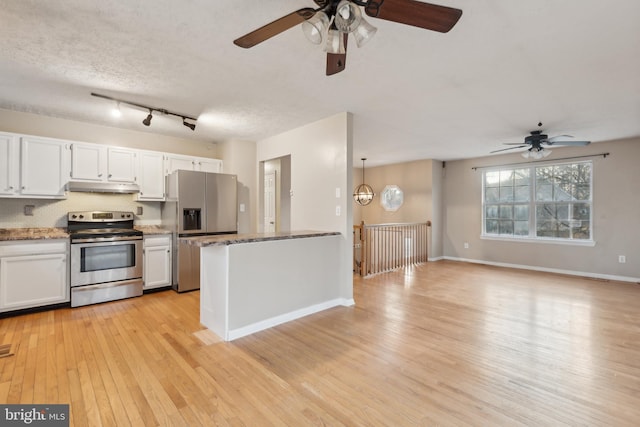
column 106, row 285
column 106, row 239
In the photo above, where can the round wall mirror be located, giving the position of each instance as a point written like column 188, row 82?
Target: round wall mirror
column 391, row 198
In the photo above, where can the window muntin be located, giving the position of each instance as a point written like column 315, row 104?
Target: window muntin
column 552, row 201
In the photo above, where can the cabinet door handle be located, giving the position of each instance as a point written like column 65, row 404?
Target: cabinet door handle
column 110, row 175
column 99, row 175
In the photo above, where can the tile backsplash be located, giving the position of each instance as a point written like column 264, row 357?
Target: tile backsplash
column 53, row 213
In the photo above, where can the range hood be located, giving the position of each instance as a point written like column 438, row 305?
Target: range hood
column 103, row 187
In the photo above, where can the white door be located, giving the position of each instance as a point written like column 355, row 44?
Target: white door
column 270, row 201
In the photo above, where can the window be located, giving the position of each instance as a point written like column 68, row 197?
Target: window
column 552, row 201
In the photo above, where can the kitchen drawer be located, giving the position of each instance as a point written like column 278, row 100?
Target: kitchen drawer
column 163, row 240
column 29, row 247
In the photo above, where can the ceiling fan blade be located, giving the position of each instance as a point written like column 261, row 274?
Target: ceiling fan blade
column 510, row 148
column 555, row 138
column 337, row 62
column 579, row 143
column 411, row 12
column 274, row 28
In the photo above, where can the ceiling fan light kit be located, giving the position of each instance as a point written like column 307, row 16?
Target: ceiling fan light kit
column 335, row 43
column 316, row 27
column 364, row 33
column 334, row 20
column 348, row 16
column 536, row 154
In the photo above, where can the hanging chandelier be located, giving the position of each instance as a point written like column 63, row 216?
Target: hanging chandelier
column 363, row 194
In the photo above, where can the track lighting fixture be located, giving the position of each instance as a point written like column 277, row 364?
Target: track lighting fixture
column 147, row 120
column 191, row 126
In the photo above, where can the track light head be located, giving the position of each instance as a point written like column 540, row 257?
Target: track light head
column 191, row 126
column 147, row 121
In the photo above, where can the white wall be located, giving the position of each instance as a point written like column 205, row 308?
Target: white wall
column 53, row 213
column 616, row 210
column 240, row 159
column 321, row 162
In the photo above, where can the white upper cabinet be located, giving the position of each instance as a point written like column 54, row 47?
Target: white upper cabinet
column 177, row 162
column 99, row 163
column 44, row 167
column 9, row 165
column 121, row 165
column 88, row 162
column 208, row 165
column 150, row 175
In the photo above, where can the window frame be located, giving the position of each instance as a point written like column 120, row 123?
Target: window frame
column 533, row 204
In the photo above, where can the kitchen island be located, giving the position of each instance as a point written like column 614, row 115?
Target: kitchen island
column 251, row 282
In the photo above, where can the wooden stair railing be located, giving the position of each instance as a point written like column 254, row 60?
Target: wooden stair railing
column 384, row 247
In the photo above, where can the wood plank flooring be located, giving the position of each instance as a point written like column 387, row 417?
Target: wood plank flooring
column 445, row 343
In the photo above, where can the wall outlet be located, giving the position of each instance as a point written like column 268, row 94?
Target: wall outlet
column 466, row 245
column 338, row 211
column 622, row 259
column 337, row 192
column 242, row 208
column 28, row 210
column 139, row 210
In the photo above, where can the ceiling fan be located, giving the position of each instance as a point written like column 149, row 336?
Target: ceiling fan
column 537, row 141
column 334, row 20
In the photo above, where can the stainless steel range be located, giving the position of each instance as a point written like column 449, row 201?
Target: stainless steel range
column 106, row 257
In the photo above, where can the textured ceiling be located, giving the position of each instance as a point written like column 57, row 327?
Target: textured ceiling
column 415, row 94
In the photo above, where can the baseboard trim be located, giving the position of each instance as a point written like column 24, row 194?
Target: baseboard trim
column 287, row 317
column 548, row 270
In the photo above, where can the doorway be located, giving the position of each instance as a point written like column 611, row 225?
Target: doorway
column 275, row 194
column 270, row 201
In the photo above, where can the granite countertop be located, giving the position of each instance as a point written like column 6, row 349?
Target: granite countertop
column 148, row 230
column 232, row 239
column 41, row 233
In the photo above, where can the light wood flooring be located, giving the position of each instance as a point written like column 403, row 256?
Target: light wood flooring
column 444, row 343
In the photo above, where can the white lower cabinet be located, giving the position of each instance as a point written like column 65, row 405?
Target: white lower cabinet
column 33, row 274
column 157, row 261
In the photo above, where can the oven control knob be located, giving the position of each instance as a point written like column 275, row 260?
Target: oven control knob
column 74, row 216
column 81, row 216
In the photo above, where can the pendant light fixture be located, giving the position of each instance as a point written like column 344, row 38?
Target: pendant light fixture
column 363, row 194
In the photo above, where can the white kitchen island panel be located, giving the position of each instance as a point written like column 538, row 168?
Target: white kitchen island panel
column 248, row 286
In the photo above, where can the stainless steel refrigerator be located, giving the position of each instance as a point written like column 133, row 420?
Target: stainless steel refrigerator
column 197, row 204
